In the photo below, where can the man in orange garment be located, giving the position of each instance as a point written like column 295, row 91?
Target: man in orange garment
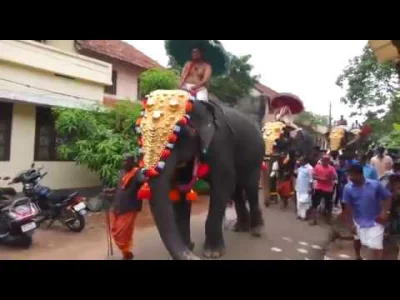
column 126, row 206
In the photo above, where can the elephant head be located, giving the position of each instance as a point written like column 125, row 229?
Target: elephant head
column 340, row 138
column 175, row 132
column 273, row 133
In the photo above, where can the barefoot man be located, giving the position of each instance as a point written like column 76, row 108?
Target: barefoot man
column 196, row 75
column 126, row 206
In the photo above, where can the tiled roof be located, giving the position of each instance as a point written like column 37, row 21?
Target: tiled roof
column 119, row 50
column 265, row 90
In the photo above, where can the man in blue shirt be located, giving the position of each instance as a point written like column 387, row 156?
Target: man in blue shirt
column 369, row 204
column 369, row 171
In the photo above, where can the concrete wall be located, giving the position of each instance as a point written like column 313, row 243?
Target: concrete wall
column 127, row 77
column 61, row 175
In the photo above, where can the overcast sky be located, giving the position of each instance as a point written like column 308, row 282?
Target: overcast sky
column 306, row 68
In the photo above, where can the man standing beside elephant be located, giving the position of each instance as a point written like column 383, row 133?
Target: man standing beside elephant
column 382, row 162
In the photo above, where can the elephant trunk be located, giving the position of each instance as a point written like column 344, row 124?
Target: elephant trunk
column 163, row 214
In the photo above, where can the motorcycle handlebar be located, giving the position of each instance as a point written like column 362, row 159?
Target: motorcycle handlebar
column 44, row 174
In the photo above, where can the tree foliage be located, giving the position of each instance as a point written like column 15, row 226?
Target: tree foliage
column 312, row 119
column 230, row 88
column 372, row 91
column 98, row 139
column 155, row 79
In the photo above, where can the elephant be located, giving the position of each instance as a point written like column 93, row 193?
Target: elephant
column 203, row 133
column 280, row 138
column 351, row 142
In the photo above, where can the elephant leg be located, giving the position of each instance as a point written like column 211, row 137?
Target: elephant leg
column 256, row 220
column 182, row 212
column 243, row 219
column 221, row 192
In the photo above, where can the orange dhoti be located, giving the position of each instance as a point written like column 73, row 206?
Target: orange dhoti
column 284, row 188
column 122, row 228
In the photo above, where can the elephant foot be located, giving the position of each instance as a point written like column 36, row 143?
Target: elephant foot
column 241, row 227
column 214, row 253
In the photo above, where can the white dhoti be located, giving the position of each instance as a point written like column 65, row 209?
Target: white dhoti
column 202, row 93
column 303, row 204
column 371, row 237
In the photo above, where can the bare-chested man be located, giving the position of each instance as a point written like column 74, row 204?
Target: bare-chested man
column 196, row 75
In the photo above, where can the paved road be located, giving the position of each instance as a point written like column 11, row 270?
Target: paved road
column 284, row 238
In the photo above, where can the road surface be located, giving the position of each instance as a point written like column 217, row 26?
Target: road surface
column 284, row 238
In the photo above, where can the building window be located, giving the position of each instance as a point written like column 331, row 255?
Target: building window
column 6, row 112
column 46, row 139
column 112, row 89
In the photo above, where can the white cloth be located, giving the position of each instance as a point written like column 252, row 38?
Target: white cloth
column 202, row 93
column 371, row 237
column 303, row 204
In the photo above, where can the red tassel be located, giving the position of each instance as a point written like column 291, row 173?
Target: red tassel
column 145, row 192
column 202, row 170
column 141, row 164
column 138, row 121
column 140, row 141
column 191, row 196
column 172, row 138
column 264, row 166
column 189, row 107
column 183, row 121
column 165, row 154
column 174, row 196
column 151, row 173
column 144, row 103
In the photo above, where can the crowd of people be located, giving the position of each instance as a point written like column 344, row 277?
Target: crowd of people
column 361, row 187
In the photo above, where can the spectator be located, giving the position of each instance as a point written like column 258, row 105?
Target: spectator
column 341, row 182
column 303, row 188
column 382, row 162
column 369, row 171
column 365, row 212
column 324, row 175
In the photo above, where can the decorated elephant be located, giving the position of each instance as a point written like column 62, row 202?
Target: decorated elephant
column 350, row 142
column 183, row 139
column 279, row 139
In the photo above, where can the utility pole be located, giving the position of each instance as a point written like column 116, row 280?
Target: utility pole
column 330, row 116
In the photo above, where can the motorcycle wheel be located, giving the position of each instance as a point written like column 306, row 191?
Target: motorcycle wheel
column 74, row 221
column 25, row 241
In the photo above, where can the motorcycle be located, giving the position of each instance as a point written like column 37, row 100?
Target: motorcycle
column 68, row 209
column 17, row 221
column 7, row 193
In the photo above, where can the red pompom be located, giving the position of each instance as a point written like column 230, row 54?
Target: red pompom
column 145, row 192
column 264, row 166
column 191, row 196
column 173, row 138
column 165, row 154
column 174, row 195
column 183, row 121
column 151, row 173
column 189, row 107
column 138, row 121
column 366, row 130
column 202, row 170
column 141, row 164
column 140, row 141
column 144, row 103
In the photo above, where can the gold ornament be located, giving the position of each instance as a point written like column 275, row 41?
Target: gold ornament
column 272, row 132
column 164, row 109
column 335, row 138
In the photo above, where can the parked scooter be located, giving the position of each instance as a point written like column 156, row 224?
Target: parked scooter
column 7, row 193
column 17, row 221
column 69, row 209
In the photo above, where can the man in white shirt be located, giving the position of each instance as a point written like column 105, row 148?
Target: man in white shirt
column 303, row 188
column 382, row 162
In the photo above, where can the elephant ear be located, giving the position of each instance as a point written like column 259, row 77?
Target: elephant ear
column 205, row 122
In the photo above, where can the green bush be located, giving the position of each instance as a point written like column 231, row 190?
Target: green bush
column 158, row 79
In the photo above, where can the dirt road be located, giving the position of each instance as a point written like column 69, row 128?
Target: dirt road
column 284, row 238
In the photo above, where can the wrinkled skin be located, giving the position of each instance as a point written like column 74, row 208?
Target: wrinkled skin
column 234, row 171
column 299, row 142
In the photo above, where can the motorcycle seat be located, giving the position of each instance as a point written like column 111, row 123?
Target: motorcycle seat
column 56, row 197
